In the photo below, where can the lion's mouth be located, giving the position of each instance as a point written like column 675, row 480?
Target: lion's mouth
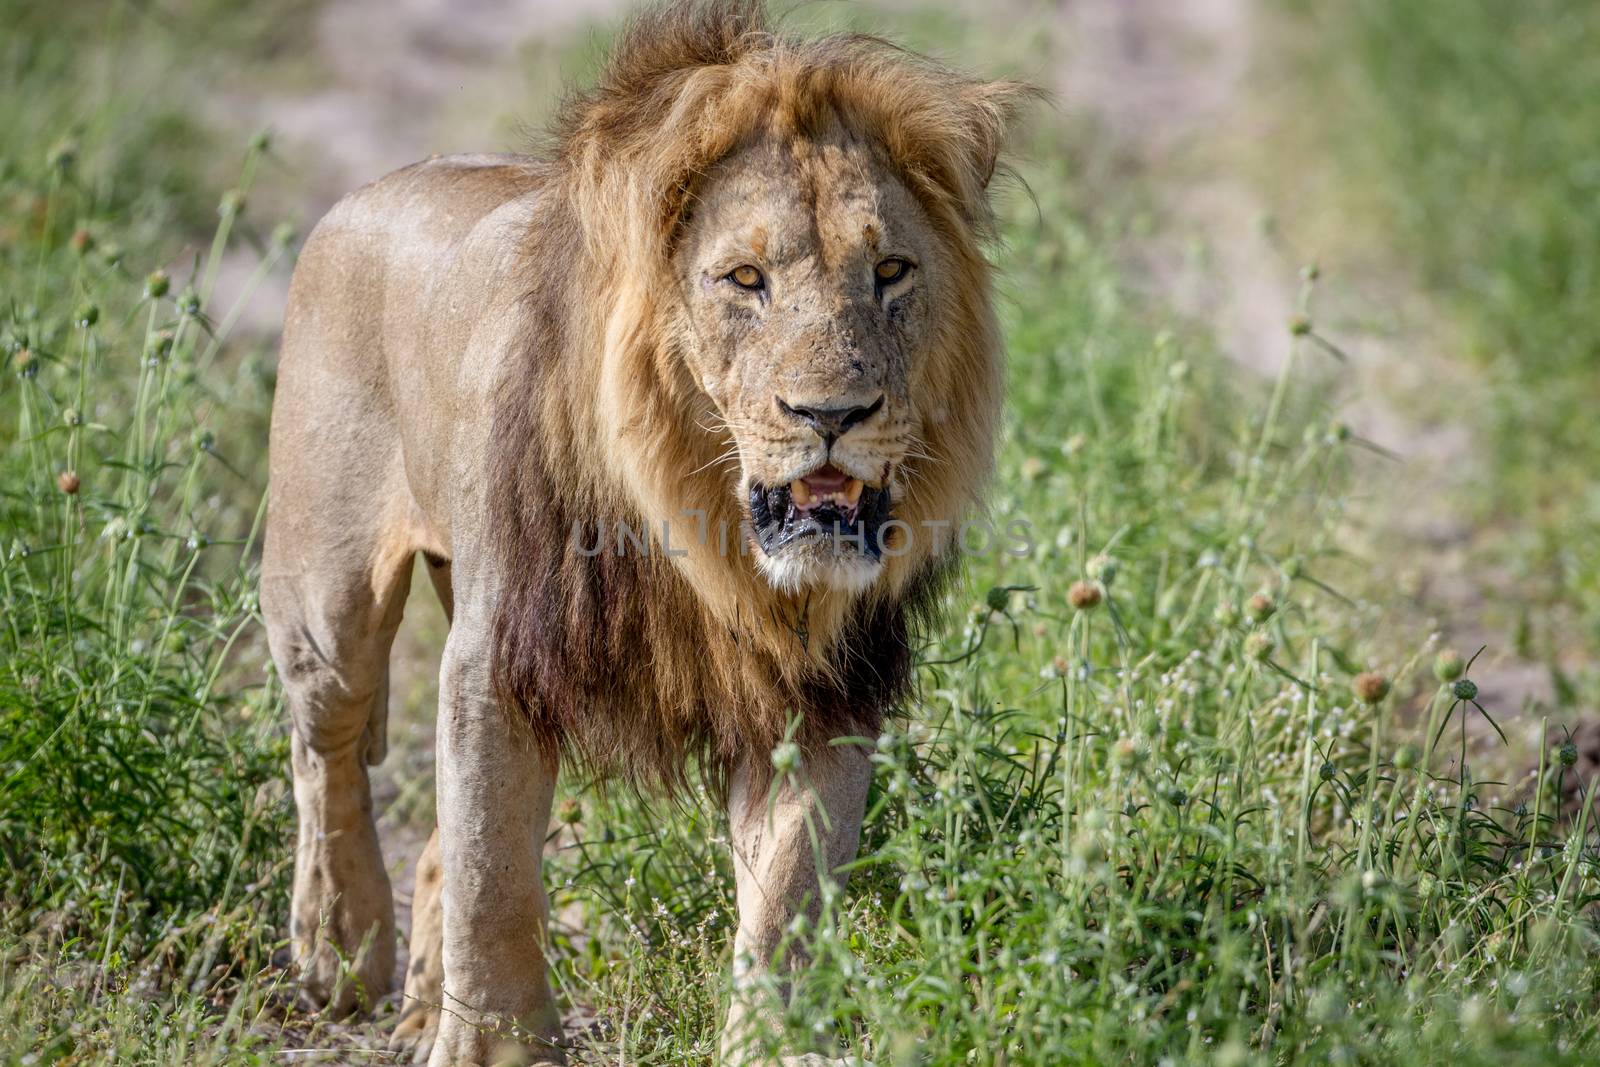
column 827, row 503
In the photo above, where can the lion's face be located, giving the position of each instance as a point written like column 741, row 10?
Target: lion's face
column 810, row 277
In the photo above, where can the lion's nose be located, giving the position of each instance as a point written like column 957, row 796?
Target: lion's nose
column 831, row 423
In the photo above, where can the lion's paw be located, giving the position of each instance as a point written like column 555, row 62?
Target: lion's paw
column 331, row 982
column 414, row 1034
column 341, row 921
column 804, row 1059
column 461, row 1046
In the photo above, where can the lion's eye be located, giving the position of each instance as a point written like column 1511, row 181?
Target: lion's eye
column 747, row 277
column 890, row 271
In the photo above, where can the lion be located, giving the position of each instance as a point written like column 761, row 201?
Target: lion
column 681, row 412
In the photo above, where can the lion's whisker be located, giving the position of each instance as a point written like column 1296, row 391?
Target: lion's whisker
column 722, row 459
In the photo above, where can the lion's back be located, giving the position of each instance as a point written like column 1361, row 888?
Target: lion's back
column 389, row 289
column 393, row 240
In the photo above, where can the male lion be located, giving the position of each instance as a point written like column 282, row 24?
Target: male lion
column 680, row 414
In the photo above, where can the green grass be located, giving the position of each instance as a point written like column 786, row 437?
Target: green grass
column 142, row 812
column 142, row 807
column 1157, row 828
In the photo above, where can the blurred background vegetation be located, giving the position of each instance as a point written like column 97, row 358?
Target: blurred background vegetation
column 1152, row 803
column 1454, row 145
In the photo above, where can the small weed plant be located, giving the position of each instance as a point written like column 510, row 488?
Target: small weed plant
column 142, row 803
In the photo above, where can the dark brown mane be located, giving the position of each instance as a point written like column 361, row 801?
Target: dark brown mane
column 615, row 661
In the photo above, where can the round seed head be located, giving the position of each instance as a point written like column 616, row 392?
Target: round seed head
column 1226, row 613
column 204, row 440
column 786, row 757
column 1327, row 772
column 1370, row 687
column 1568, row 753
column 62, row 155
column 569, row 811
column 1465, row 689
column 1448, row 665
column 1328, row 1006
column 160, row 346
column 1259, row 645
column 1260, row 607
column 998, row 599
column 1232, row 1053
column 1130, row 751
column 156, row 284
column 1406, row 757
column 26, row 363
column 1103, row 569
column 72, row 417
column 1299, row 325
column 1088, row 847
column 1474, row 1013
column 1084, row 596
column 67, row 482
column 87, row 315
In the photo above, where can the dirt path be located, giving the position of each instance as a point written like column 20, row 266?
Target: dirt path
column 389, row 82
column 1171, row 86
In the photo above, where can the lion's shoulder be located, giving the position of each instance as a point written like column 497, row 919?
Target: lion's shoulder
column 441, row 198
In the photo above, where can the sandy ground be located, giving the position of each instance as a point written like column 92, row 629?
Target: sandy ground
column 391, row 82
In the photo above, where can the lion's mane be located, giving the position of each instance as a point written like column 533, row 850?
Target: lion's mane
column 631, row 663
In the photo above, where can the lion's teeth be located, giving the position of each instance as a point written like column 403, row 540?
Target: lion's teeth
column 801, row 493
column 852, row 491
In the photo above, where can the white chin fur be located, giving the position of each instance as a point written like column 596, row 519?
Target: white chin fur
column 791, row 571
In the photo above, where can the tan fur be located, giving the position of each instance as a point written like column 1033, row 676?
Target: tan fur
column 483, row 355
column 424, row 986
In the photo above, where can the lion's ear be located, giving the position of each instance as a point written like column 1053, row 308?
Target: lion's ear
column 990, row 111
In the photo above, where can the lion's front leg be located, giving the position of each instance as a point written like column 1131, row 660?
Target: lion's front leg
column 494, row 805
column 785, row 840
